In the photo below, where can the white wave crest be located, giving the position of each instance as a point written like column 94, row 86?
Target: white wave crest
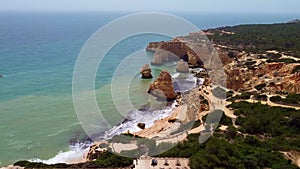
column 76, row 154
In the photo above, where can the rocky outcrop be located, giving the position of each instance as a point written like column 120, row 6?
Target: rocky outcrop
column 141, row 125
column 1, row 75
column 146, row 72
column 206, row 82
column 162, row 87
column 234, row 79
column 182, row 66
column 281, row 69
column 277, row 76
column 173, row 50
column 96, row 150
column 288, row 79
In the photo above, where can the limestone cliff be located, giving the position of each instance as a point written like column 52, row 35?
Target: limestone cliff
column 173, row 50
column 277, row 76
column 292, row 83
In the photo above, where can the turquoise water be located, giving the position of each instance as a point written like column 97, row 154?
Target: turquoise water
column 38, row 52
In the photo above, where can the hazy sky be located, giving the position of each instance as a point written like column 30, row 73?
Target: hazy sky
column 247, row 6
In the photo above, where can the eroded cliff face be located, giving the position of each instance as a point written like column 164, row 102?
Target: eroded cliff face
column 173, row 50
column 236, row 79
column 162, row 87
column 292, row 83
column 278, row 77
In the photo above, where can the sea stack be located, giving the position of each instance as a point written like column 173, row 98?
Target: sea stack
column 162, row 87
column 146, row 72
column 182, row 66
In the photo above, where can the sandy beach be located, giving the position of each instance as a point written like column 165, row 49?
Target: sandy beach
column 164, row 127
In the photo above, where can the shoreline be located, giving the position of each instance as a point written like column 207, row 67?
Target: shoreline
column 161, row 126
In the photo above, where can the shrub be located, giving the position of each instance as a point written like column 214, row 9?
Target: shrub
column 296, row 69
column 260, row 86
column 229, row 94
column 244, row 96
column 112, row 160
column 275, row 99
column 260, row 97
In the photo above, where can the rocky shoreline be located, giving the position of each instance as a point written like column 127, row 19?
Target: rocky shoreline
column 188, row 106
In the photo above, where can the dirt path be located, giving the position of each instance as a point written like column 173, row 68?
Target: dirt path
column 118, row 147
column 217, row 103
column 268, row 102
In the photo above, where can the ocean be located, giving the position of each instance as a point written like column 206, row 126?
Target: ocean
column 38, row 52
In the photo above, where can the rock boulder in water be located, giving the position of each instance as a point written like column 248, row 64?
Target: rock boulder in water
column 146, row 72
column 162, row 87
column 182, row 66
column 141, row 125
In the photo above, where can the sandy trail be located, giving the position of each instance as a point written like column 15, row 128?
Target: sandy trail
column 272, row 104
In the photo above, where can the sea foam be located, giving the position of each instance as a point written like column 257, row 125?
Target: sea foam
column 78, row 151
column 76, row 154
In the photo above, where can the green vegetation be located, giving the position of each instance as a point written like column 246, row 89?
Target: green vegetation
column 267, row 130
column 275, row 99
column 273, row 55
column 229, row 94
column 28, row 164
column 112, row 160
column 260, row 86
column 283, row 37
column 297, row 69
column 217, row 152
column 291, row 99
column 284, row 60
column 262, row 97
column 264, row 131
column 133, row 153
column 214, row 117
column 106, row 160
column 242, row 96
column 257, row 119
